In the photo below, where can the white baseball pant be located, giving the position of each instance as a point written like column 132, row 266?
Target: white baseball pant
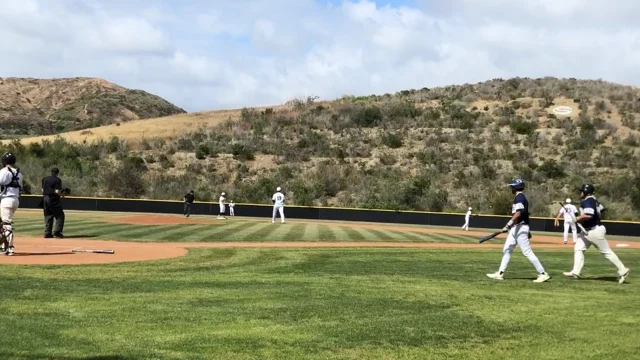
column 222, row 209
column 8, row 207
column 278, row 209
column 574, row 231
column 231, row 212
column 519, row 235
column 466, row 224
column 595, row 237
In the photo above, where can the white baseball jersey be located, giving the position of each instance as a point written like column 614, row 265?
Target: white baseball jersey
column 6, row 179
column 278, row 199
column 232, row 205
column 468, row 215
column 566, row 212
column 221, row 200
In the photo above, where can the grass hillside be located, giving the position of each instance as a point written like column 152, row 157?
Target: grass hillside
column 48, row 106
column 429, row 149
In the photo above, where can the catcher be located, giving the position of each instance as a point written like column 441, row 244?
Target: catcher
column 53, row 192
column 10, row 186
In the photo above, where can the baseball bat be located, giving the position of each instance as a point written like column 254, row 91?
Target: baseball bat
column 490, row 236
column 94, row 251
column 573, row 217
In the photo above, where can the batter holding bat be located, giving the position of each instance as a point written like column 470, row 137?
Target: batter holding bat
column 593, row 233
column 518, row 228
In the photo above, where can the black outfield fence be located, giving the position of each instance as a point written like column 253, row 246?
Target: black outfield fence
column 314, row 213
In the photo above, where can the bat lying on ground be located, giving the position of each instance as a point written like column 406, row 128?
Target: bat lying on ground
column 93, row 251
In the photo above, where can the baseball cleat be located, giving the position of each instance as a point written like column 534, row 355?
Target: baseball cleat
column 496, row 276
column 542, row 278
column 624, row 276
column 571, row 274
column 10, row 251
column 565, row 243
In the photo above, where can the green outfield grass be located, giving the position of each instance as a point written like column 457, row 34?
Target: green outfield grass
column 320, row 304
column 85, row 225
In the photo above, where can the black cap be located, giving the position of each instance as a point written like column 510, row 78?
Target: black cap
column 55, row 170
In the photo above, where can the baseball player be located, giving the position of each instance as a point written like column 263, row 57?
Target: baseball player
column 278, row 206
column 10, row 186
column 231, row 206
column 467, row 216
column 566, row 212
column 518, row 228
column 590, row 210
column 222, row 207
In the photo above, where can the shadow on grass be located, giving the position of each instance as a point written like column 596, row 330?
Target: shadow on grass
column 79, row 236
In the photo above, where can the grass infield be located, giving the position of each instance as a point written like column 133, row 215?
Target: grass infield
column 314, row 303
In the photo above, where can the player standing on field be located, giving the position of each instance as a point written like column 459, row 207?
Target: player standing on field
column 590, row 210
column 10, row 186
column 467, row 216
column 231, row 206
column 278, row 206
column 518, row 228
column 222, row 209
column 568, row 212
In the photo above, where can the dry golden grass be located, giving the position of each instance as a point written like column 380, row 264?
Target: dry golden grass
column 135, row 131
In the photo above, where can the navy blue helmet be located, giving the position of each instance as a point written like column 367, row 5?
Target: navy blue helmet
column 517, row 184
column 587, row 189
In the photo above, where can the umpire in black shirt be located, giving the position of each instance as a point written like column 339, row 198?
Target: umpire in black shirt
column 188, row 201
column 52, row 204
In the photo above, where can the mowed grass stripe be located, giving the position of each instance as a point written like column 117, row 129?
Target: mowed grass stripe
column 447, row 239
column 407, row 236
column 38, row 225
column 294, row 232
column 211, row 233
column 172, row 234
column 263, row 232
column 341, row 233
column 280, row 232
column 325, row 233
column 379, row 235
column 353, row 234
column 236, row 233
column 136, row 232
column 311, row 232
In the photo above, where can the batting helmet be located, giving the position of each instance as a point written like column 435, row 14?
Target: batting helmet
column 517, row 184
column 587, row 189
column 8, row 159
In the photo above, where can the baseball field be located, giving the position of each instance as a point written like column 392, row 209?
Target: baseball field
column 243, row 288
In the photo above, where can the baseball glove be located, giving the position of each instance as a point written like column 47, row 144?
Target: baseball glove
column 66, row 191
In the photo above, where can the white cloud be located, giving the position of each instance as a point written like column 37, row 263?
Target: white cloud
column 219, row 54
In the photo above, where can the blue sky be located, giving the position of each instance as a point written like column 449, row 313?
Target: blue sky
column 216, row 54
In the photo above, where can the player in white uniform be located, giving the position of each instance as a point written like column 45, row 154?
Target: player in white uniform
column 467, row 216
column 10, row 186
column 566, row 212
column 278, row 206
column 231, row 206
column 222, row 207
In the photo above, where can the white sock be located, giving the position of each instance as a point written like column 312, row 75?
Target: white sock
column 578, row 262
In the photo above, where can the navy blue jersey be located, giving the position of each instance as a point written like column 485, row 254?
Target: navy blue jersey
column 590, row 206
column 521, row 204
